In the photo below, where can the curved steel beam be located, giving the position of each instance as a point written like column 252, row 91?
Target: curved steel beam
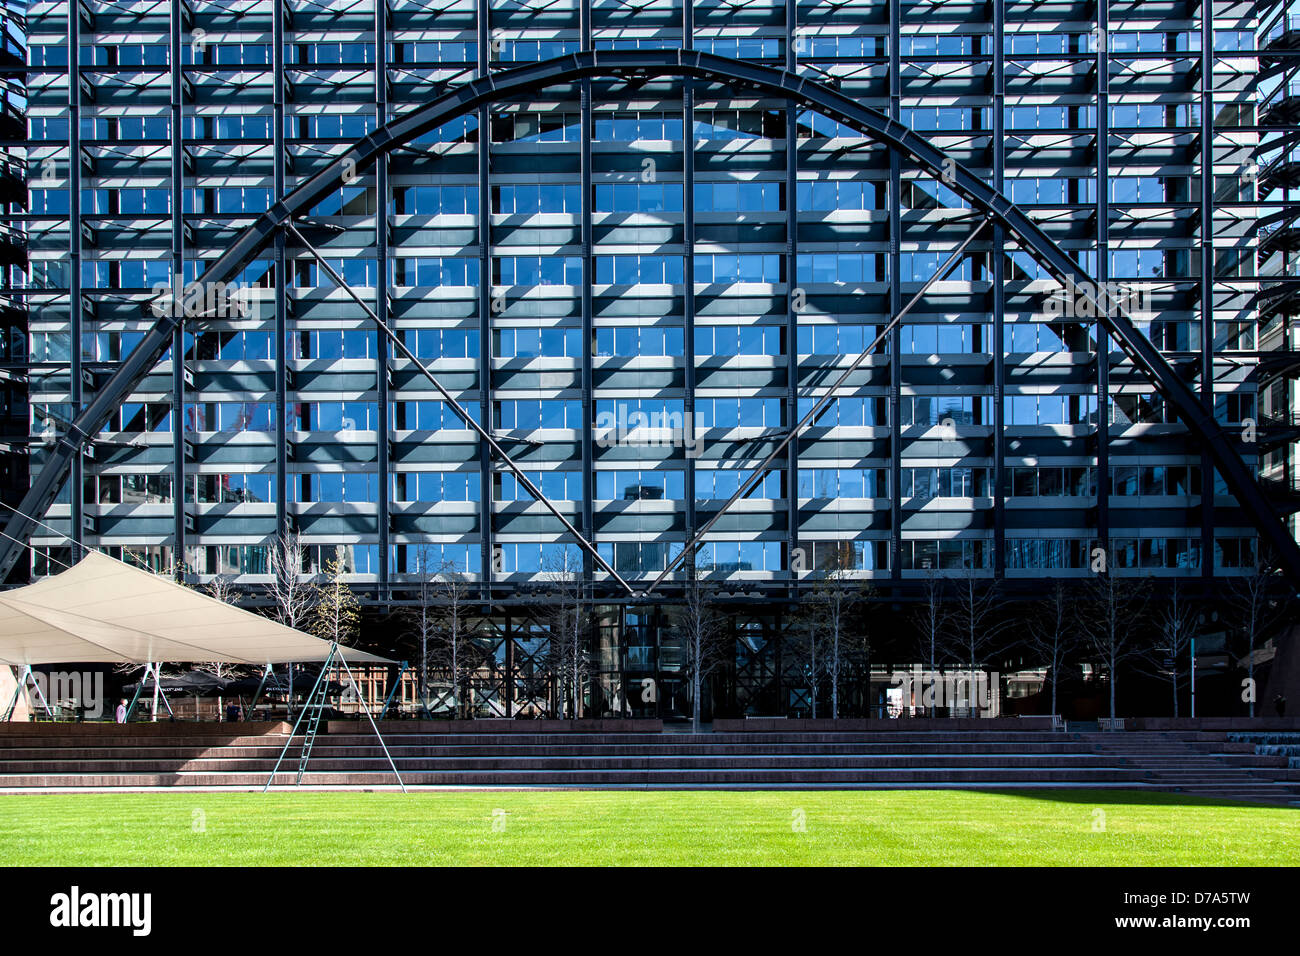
column 641, row 65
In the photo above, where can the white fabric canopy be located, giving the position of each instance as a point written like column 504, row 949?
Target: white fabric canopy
column 104, row 611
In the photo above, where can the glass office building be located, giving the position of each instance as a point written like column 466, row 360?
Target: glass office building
column 639, row 288
column 1278, row 194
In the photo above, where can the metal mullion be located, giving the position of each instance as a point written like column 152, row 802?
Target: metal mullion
column 1103, row 275
column 791, row 282
column 1207, row 278
column 895, row 302
column 587, row 305
column 998, row 258
column 75, row 317
column 483, row 154
column 178, row 286
column 282, row 277
column 383, row 466
column 688, row 262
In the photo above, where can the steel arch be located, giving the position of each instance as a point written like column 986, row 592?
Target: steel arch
column 639, row 66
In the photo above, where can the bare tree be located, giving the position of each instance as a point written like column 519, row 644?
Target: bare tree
column 704, row 633
column 568, row 620
column 931, row 619
column 977, row 623
column 336, row 613
column 1175, row 621
column 807, row 650
column 834, row 596
column 293, row 594
column 1112, row 620
column 454, row 630
column 1052, row 633
column 1256, row 602
column 424, row 617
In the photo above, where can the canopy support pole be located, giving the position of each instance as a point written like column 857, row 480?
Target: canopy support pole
column 373, row 725
column 257, row 695
column 302, row 713
column 322, row 685
column 392, row 692
column 157, row 691
column 20, row 687
column 139, row 689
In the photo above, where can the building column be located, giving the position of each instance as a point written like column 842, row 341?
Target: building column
column 1207, row 278
column 282, row 278
column 76, row 478
column 178, row 291
column 895, row 306
column 791, row 312
column 486, row 549
column 1102, row 272
column 688, row 264
column 588, row 319
column 998, row 277
column 382, row 347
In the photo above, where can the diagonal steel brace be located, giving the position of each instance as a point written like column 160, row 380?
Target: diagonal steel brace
column 831, row 395
column 464, row 415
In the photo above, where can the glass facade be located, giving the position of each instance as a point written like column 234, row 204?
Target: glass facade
column 636, row 286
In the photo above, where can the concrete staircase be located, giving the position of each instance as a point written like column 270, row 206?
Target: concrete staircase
column 1195, row 762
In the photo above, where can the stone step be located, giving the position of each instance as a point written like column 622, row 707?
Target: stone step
column 223, row 763
column 967, row 777
column 694, row 746
column 1184, row 761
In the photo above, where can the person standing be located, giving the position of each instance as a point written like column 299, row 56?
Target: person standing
column 120, row 714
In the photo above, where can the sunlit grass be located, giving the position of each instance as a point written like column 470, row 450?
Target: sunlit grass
column 908, row 827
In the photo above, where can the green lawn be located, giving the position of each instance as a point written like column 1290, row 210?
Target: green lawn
column 657, row 828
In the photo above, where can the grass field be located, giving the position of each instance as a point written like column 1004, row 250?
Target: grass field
column 644, row 828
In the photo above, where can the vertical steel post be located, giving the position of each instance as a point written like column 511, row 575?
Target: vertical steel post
column 791, row 312
column 1206, row 285
column 282, row 277
column 1102, row 272
column 485, row 351
column 893, row 268
column 688, row 264
column 76, row 478
column 997, row 258
column 382, row 465
column 178, row 291
column 588, row 319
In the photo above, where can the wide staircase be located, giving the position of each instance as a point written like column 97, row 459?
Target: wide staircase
column 1194, row 762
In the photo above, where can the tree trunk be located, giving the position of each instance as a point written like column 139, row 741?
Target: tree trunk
column 1113, row 681
column 695, row 707
column 835, row 677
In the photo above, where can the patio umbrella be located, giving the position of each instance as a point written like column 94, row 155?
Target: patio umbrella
column 196, row 683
